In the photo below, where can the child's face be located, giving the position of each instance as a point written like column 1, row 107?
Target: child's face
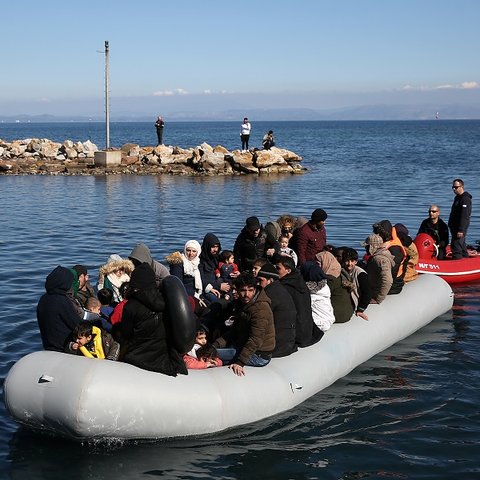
column 83, row 340
column 201, row 338
column 284, row 242
column 231, row 259
column 255, row 270
column 95, row 310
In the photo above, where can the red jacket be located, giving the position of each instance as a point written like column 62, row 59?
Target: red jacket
column 309, row 242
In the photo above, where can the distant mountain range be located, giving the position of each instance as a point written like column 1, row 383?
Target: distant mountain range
column 365, row 112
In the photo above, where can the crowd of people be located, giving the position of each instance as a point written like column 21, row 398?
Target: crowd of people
column 280, row 288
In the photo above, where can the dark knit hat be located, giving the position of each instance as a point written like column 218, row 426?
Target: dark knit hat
column 319, row 215
column 80, row 269
column 401, row 229
column 253, row 223
column 268, row 271
column 142, row 277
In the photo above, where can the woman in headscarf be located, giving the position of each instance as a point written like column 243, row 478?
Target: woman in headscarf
column 185, row 267
column 340, row 297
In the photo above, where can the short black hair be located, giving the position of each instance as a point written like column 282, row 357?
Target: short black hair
column 349, row 254
column 246, row 279
column 286, row 261
column 83, row 329
column 225, row 255
column 207, row 351
column 105, row 295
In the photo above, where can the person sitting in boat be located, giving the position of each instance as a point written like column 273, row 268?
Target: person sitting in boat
column 143, row 329
column 57, row 314
column 394, row 245
column 306, row 332
column 105, row 296
column 202, row 355
column 322, row 310
column 379, row 267
column 185, row 267
column 412, row 252
column 251, row 338
column 116, row 316
column 340, row 296
column 253, row 242
column 437, row 229
column 355, row 281
column 213, row 287
column 93, row 342
column 227, row 270
column 283, row 309
column 115, row 272
column 93, row 314
column 283, row 241
column 141, row 254
column 82, row 289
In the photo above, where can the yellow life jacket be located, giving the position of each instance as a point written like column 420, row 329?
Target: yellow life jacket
column 97, row 344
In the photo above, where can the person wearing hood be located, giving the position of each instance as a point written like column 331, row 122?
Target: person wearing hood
column 113, row 274
column 412, row 252
column 141, row 254
column 56, row 314
column 213, row 287
column 459, row 219
column 306, row 331
column 253, row 242
column 379, row 268
column 142, row 331
column 340, row 296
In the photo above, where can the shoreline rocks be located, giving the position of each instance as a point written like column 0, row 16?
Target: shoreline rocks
column 33, row 156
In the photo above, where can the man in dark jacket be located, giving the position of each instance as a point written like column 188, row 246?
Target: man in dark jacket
column 56, row 313
column 283, row 308
column 253, row 242
column 437, row 229
column 307, row 333
column 459, row 219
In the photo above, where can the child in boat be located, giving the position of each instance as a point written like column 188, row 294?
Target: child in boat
column 227, row 270
column 285, row 249
column 93, row 314
column 91, row 341
column 202, row 355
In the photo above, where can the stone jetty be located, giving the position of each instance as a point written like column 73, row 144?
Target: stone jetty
column 35, row 156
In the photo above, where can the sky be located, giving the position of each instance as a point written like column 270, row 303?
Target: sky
column 220, row 55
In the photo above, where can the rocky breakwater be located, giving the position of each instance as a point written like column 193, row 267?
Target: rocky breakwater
column 44, row 157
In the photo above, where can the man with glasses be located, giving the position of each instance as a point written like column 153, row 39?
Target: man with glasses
column 459, row 219
column 437, row 229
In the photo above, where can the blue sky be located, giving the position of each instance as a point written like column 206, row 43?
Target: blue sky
column 220, row 54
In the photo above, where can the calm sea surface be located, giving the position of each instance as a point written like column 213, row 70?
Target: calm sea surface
column 410, row 412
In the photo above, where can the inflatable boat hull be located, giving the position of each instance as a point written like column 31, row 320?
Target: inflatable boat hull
column 84, row 398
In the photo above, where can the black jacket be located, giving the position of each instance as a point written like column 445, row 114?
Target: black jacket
column 248, row 248
column 284, row 317
column 438, row 231
column 459, row 219
column 208, row 262
column 306, row 332
column 56, row 313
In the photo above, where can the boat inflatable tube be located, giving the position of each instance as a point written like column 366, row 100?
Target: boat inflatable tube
column 88, row 399
column 182, row 323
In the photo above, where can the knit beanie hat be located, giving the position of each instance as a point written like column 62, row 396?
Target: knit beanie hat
column 142, row 277
column 319, row 215
column 253, row 223
column 268, row 271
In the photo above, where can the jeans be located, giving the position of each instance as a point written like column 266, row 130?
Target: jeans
column 229, row 355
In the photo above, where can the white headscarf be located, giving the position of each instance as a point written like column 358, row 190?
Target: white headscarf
column 190, row 267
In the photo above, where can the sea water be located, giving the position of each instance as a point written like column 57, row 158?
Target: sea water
column 410, row 412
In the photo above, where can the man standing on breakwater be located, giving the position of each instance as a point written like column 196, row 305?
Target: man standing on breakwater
column 245, row 133
column 159, row 124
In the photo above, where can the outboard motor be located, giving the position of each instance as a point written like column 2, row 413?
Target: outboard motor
column 426, row 246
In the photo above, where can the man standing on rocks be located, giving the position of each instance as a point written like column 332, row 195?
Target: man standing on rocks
column 159, row 125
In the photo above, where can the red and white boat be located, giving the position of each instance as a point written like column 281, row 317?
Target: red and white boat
column 452, row 271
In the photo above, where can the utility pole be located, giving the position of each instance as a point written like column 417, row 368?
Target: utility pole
column 107, row 99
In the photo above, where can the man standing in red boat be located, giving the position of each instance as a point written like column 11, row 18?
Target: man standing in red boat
column 459, row 219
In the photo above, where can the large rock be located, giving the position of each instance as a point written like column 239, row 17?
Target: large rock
column 214, row 160
column 267, row 158
column 242, row 162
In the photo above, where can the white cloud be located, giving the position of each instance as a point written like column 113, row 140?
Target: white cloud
column 163, row 93
column 207, row 92
column 447, row 86
column 181, row 91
